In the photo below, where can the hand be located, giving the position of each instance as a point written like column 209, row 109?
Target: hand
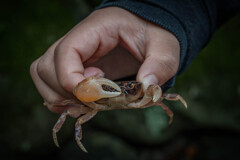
column 68, row 60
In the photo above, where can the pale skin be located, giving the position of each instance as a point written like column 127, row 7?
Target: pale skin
column 68, row 61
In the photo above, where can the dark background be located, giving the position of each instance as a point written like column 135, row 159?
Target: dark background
column 209, row 129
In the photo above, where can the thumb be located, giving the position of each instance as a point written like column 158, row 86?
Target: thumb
column 160, row 65
column 157, row 70
column 161, row 58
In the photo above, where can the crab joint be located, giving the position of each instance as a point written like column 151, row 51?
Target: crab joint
column 91, row 89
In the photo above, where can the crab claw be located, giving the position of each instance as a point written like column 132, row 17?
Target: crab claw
column 156, row 92
column 95, row 88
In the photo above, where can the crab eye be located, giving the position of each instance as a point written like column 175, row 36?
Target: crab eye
column 95, row 88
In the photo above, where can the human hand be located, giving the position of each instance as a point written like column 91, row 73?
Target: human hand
column 68, row 60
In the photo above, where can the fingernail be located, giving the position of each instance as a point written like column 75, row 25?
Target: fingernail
column 100, row 75
column 148, row 80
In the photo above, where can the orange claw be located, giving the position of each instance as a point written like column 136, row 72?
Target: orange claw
column 91, row 89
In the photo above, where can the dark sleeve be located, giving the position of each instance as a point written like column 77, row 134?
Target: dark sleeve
column 192, row 21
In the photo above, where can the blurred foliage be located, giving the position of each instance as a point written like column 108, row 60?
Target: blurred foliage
column 209, row 129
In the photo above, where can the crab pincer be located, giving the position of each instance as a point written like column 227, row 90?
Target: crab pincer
column 92, row 89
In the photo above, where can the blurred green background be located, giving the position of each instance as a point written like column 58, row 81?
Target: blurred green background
column 209, row 129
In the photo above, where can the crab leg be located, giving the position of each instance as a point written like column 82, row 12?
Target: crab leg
column 73, row 112
column 78, row 128
column 96, row 106
column 58, row 126
column 153, row 93
column 174, row 97
column 167, row 110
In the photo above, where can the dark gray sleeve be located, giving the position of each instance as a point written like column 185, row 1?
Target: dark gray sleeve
column 192, row 21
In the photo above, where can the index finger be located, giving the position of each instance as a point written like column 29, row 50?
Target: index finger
column 76, row 47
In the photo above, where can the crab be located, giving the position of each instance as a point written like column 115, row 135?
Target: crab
column 96, row 94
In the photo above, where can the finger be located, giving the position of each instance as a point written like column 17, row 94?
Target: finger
column 47, row 73
column 156, row 70
column 93, row 71
column 81, row 44
column 161, row 61
column 49, row 95
column 69, row 67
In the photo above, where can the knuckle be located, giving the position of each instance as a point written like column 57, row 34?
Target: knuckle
column 60, row 48
column 42, row 68
column 172, row 67
column 33, row 67
column 170, row 64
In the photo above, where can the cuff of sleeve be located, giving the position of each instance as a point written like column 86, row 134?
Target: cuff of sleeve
column 159, row 16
